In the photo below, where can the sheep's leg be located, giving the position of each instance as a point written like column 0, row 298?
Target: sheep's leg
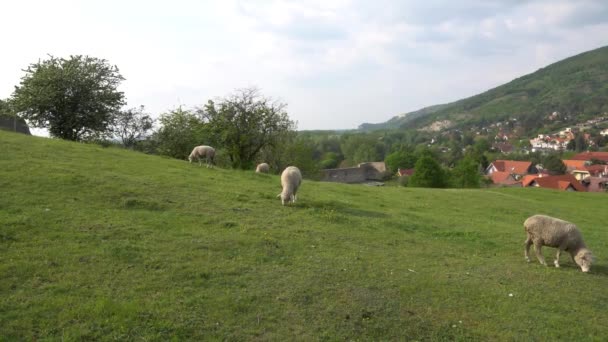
column 556, row 262
column 539, row 254
column 527, row 245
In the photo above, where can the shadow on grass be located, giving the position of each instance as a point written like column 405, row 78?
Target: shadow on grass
column 600, row 270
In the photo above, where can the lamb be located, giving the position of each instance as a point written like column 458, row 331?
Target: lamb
column 291, row 178
column 544, row 230
column 199, row 152
column 262, row 168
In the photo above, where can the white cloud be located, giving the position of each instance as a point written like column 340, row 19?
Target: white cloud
column 337, row 63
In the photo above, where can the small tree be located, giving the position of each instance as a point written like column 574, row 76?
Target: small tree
column 74, row 98
column 554, row 165
column 132, row 125
column 244, row 123
column 428, row 174
column 179, row 133
column 466, row 174
column 400, row 159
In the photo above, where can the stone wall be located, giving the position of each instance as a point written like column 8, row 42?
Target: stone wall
column 375, row 171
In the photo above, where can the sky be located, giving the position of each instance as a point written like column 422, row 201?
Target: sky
column 335, row 63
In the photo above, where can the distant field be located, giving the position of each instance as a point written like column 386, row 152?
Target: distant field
column 106, row 244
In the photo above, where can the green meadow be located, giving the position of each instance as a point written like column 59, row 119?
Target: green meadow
column 107, row 244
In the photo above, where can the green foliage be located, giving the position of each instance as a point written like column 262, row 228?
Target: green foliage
column 553, row 163
column 400, row 160
column 428, row 174
column 466, row 174
column 156, row 249
column 180, row 131
column 131, row 125
column 244, row 123
column 5, row 109
column 360, row 147
column 74, row 98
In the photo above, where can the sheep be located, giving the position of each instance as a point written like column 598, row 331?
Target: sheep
column 544, row 230
column 262, row 168
column 199, row 152
column 291, row 178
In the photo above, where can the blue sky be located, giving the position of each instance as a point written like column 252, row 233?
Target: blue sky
column 336, row 63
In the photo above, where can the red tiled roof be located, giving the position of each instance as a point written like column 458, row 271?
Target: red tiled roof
column 528, row 179
column 574, row 164
column 561, row 182
column 591, row 155
column 501, row 177
column 517, row 167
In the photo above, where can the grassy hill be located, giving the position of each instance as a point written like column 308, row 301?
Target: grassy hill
column 574, row 86
column 106, row 244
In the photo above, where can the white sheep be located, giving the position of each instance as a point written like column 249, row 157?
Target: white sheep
column 262, row 168
column 203, row 151
column 291, row 178
column 544, row 230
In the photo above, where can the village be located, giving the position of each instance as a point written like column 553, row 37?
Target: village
column 586, row 171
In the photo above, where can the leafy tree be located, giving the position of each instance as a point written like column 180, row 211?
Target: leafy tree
column 361, row 147
column 554, row 165
column 180, row 131
column 481, row 145
column 330, row 160
column 74, row 98
column 579, row 143
column 400, row 159
column 5, row 109
column 131, row 125
column 244, row 123
column 428, row 174
column 466, row 174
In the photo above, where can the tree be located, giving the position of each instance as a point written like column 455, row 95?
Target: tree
column 466, row 174
column 245, row 122
column 428, row 174
column 400, row 159
column 131, row 125
column 74, row 98
column 554, row 165
column 179, row 133
column 579, row 143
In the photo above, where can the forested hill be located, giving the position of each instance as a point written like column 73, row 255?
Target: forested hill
column 575, row 86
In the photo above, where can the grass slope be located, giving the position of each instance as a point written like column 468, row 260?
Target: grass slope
column 576, row 85
column 104, row 244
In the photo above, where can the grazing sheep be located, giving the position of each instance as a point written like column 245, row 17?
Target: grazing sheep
column 262, row 168
column 544, row 230
column 291, row 178
column 203, row 151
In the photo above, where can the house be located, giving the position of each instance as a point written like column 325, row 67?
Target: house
column 504, row 178
column 588, row 156
column 371, row 171
column 517, row 168
column 581, row 169
column 503, row 147
column 572, row 165
column 596, row 184
column 560, row 182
